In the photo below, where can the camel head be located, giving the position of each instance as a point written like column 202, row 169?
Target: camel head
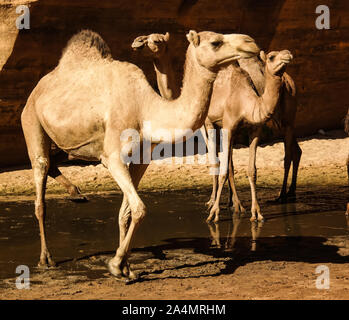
column 276, row 61
column 154, row 45
column 215, row 51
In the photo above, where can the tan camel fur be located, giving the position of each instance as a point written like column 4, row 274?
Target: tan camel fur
column 88, row 101
column 238, row 103
column 346, row 129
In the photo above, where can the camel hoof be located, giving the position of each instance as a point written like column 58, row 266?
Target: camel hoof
column 216, row 219
column 209, row 204
column 115, row 271
column 49, row 263
column 208, row 220
column 253, row 219
column 279, row 199
column 77, row 198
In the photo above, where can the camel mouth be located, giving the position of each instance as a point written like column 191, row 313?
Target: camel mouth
column 249, row 54
column 230, row 59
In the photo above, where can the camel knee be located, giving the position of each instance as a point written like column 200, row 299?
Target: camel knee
column 139, row 213
column 39, row 209
column 124, row 216
column 40, row 165
column 222, row 178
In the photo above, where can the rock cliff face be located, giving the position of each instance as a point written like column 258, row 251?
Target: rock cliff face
column 320, row 68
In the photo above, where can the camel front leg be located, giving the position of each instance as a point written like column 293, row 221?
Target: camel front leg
column 223, row 174
column 122, row 176
column 233, row 194
column 209, row 132
column 252, row 176
column 136, row 171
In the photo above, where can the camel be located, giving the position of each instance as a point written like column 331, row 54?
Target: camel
column 284, row 116
column 89, row 101
column 156, row 45
column 346, row 129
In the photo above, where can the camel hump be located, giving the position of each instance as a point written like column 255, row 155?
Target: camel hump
column 86, row 44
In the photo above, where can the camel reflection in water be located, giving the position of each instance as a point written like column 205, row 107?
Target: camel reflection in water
column 232, row 235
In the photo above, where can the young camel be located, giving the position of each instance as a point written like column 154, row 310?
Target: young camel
column 156, row 45
column 346, row 129
column 230, row 107
column 88, row 101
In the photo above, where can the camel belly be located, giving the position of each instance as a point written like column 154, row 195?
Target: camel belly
column 77, row 131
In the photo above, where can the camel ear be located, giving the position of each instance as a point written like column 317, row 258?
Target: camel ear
column 193, row 38
column 139, row 42
column 263, row 56
column 167, row 36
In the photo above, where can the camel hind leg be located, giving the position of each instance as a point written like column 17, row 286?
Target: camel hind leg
column 296, row 158
column 73, row 191
column 38, row 145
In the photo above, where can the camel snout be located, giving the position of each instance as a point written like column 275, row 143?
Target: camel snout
column 248, row 46
column 287, row 56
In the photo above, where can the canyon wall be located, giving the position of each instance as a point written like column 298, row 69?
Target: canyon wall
column 320, row 68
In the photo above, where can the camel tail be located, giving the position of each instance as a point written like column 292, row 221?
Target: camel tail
column 86, row 44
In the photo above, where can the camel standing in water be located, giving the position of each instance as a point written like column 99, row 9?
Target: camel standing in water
column 156, row 45
column 88, row 102
column 234, row 91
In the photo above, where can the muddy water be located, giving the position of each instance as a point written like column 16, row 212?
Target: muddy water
column 81, row 236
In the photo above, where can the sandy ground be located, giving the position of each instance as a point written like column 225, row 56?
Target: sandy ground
column 191, row 274
column 323, row 162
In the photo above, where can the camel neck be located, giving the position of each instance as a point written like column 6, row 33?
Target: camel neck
column 196, row 91
column 272, row 92
column 261, row 108
column 165, row 77
column 189, row 110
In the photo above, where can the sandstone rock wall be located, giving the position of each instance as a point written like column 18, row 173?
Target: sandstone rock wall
column 320, row 68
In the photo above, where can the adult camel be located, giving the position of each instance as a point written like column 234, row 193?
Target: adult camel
column 89, row 102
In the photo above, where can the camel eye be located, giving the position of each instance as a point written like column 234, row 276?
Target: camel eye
column 216, row 44
column 271, row 58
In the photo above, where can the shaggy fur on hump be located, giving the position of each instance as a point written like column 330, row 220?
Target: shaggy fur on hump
column 86, row 44
column 346, row 123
